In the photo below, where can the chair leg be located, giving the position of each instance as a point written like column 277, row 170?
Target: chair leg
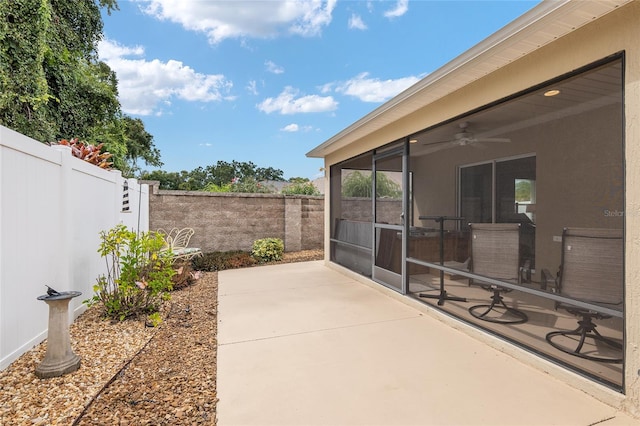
column 586, row 329
column 507, row 315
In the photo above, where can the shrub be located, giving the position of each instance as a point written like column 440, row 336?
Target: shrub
column 212, row 187
column 301, row 188
column 90, row 153
column 138, row 273
column 219, row 260
column 267, row 249
column 250, row 185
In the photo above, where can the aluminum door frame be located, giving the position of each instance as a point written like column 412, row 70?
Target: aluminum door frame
column 390, row 279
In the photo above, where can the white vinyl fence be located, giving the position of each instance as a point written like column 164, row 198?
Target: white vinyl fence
column 52, row 209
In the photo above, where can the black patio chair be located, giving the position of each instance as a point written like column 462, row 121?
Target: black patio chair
column 591, row 271
column 495, row 253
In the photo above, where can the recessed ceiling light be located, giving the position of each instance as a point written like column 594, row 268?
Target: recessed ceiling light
column 413, row 140
column 552, row 92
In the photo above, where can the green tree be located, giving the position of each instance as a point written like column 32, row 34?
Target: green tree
column 523, row 190
column 46, row 54
column 24, row 92
column 168, row 180
column 298, row 180
column 221, row 173
column 269, row 173
column 128, row 140
column 195, row 180
column 224, row 172
column 53, row 87
column 359, row 184
column 251, row 185
column 236, row 176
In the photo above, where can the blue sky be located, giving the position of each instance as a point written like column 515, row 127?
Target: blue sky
column 266, row 81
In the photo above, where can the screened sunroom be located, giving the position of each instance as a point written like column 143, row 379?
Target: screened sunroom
column 498, row 191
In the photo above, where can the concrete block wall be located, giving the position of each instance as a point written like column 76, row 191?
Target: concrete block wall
column 312, row 223
column 233, row 221
column 359, row 209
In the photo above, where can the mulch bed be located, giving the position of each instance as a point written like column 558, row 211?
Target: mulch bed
column 130, row 374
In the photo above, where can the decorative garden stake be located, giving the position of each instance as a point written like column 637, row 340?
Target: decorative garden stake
column 59, row 358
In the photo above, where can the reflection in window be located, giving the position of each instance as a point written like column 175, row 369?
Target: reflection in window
column 351, row 214
column 476, row 194
column 510, row 184
column 526, row 197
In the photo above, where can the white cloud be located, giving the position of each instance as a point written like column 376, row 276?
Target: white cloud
column 326, row 88
column 206, row 144
column 112, row 50
column 293, row 127
column 237, row 19
column 252, row 87
column 144, row 85
column 273, row 68
column 374, row 90
column 356, row 23
column 287, row 102
column 401, row 8
column 315, row 17
column 370, row 6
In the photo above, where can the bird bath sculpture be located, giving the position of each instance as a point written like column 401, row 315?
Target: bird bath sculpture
column 59, row 358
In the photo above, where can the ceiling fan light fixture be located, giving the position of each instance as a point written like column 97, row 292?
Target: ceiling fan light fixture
column 552, row 92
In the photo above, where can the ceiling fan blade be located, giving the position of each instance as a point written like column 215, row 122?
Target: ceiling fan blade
column 437, row 146
column 462, row 138
column 501, row 140
column 439, row 142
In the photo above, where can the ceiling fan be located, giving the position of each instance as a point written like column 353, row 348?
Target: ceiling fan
column 464, row 138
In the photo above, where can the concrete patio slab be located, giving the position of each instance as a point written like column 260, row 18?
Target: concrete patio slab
column 301, row 344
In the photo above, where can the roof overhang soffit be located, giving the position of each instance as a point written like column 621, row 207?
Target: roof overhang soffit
column 542, row 25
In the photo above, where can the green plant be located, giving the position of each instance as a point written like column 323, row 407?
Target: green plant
column 154, row 319
column 212, row 187
column 138, row 275
column 301, row 188
column 267, row 249
column 250, row 185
